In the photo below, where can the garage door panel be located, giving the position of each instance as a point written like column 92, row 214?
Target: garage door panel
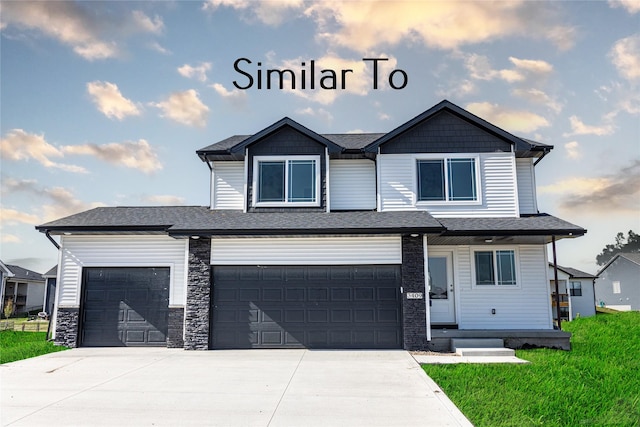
column 307, row 306
column 133, row 309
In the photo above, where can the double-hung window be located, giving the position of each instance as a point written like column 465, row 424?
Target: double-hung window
column 495, row 267
column 575, row 289
column 451, row 179
column 279, row 181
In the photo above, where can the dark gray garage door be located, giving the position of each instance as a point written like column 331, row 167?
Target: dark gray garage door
column 312, row 307
column 124, row 307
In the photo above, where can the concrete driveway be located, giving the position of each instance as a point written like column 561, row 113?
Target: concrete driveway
column 164, row 387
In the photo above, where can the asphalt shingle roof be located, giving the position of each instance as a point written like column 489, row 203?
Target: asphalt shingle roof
column 21, row 273
column 574, row 272
column 187, row 220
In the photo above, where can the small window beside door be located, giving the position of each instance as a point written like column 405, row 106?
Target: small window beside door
column 495, row 267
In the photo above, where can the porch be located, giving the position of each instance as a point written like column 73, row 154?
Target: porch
column 513, row 338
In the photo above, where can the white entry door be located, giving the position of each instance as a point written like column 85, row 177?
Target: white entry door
column 441, row 292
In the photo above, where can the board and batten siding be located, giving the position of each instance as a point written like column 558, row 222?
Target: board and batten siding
column 307, row 251
column 352, row 184
column 525, row 173
column 120, row 251
column 526, row 306
column 228, row 185
column 398, row 187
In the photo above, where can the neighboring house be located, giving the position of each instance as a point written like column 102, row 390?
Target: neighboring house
column 576, row 293
column 618, row 283
column 396, row 240
column 22, row 288
column 50, row 278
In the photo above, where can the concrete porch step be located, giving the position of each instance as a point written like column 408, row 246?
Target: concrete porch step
column 485, row 351
column 457, row 343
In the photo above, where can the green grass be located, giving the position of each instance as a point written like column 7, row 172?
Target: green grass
column 597, row 383
column 23, row 345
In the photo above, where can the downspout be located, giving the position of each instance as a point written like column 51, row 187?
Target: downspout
column 544, row 153
column 555, row 275
column 46, row 233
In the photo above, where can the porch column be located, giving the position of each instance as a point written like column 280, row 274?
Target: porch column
column 196, row 313
column 414, row 313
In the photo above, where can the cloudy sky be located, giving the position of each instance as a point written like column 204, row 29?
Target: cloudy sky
column 105, row 103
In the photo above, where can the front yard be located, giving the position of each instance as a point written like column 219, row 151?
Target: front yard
column 595, row 384
column 16, row 345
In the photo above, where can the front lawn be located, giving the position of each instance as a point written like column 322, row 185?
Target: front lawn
column 16, row 345
column 597, row 383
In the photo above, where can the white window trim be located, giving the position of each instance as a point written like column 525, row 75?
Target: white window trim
column 444, row 158
column 495, row 286
column 254, row 183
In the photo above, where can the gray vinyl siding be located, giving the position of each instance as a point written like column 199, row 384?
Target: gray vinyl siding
column 583, row 305
column 445, row 133
column 525, row 174
column 353, row 184
column 287, row 142
column 228, row 185
column 497, row 197
column 628, row 274
column 525, row 306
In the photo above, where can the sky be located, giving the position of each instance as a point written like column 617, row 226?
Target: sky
column 105, row 103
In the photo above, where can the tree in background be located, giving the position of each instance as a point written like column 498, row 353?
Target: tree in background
column 629, row 244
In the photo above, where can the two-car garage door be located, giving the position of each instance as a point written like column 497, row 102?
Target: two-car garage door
column 356, row 306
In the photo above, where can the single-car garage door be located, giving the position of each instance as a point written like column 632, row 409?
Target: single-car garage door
column 124, row 306
column 306, row 306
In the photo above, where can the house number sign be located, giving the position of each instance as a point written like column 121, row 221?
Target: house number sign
column 415, row 295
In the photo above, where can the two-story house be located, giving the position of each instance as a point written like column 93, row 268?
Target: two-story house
column 396, row 240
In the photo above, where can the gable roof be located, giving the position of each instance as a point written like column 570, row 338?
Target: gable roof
column 53, row 272
column 21, row 273
column 634, row 257
column 521, row 145
column 574, row 272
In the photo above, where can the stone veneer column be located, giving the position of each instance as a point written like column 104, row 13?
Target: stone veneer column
column 413, row 310
column 196, row 313
column 175, row 330
column 67, row 321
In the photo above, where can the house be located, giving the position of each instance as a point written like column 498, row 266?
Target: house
column 576, row 293
column 22, row 290
column 395, row 240
column 618, row 283
column 50, row 278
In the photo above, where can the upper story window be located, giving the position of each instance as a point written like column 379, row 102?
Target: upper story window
column 448, row 180
column 495, row 267
column 280, row 181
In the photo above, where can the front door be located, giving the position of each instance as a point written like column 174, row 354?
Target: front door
column 441, row 288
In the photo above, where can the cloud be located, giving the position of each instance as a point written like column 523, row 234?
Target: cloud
column 524, row 69
column 20, row 145
column 573, row 150
column 55, row 202
column 9, row 216
column 89, row 28
column 9, row 238
column 320, row 112
column 136, row 155
column 443, row 25
column 457, row 89
column 185, row 108
column 268, row 12
column 625, row 55
column 508, row 119
column 146, row 24
column 110, row 101
column 618, row 192
column 536, row 96
column 579, row 128
column 159, row 48
column 198, row 73
column 632, row 6
column 166, row 200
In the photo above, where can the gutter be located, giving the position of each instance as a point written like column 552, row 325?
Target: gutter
column 46, row 233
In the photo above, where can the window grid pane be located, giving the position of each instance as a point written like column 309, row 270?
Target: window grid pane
column 484, row 268
column 506, row 267
column 462, row 179
column 271, row 177
column 302, row 181
column 576, row 289
column 431, row 180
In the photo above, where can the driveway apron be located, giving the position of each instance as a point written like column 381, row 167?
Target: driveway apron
column 166, row 387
